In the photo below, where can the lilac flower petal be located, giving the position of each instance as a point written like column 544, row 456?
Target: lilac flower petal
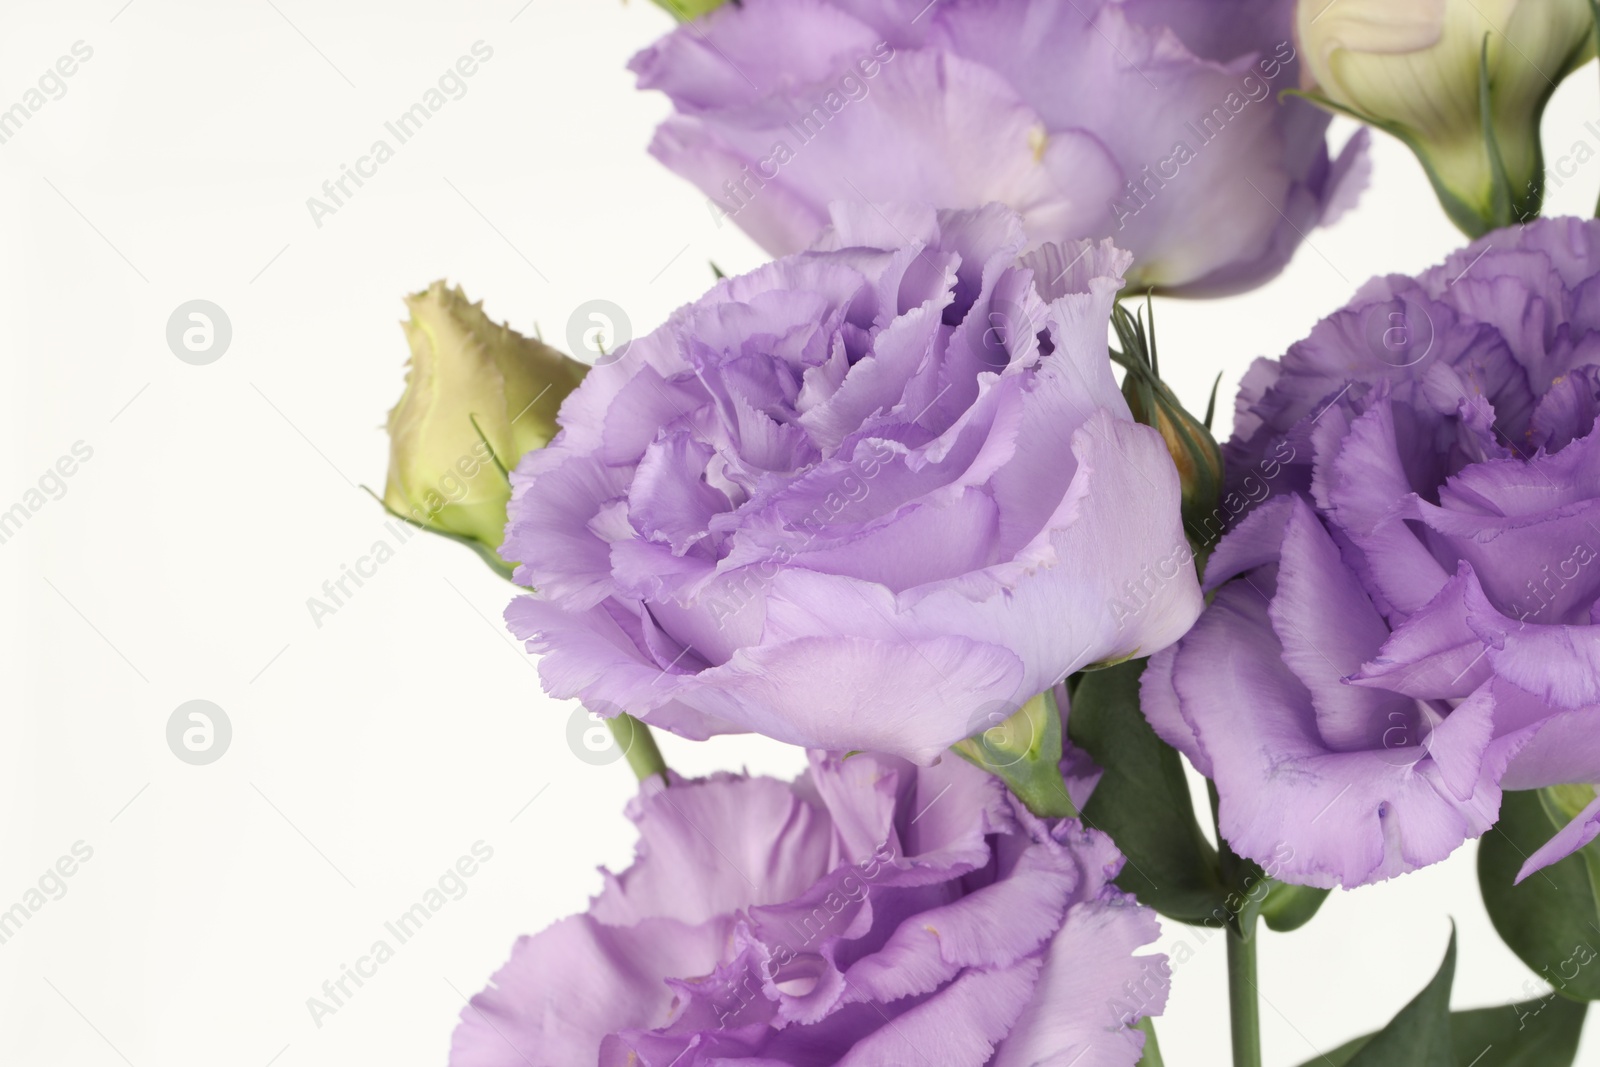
column 909, row 698
column 1327, row 628
column 859, row 497
column 1583, row 829
column 1109, row 929
column 1434, row 654
column 1364, row 487
column 1158, row 698
column 961, row 1025
column 869, row 912
column 1559, row 664
column 998, row 924
column 1549, row 749
column 1348, row 818
column 609, row 978
column 710, row 848
column 1090, row 120
column 1426, row 557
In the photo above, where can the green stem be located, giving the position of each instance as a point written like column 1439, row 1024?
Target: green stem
column 1244, row 1005
column 639, row 745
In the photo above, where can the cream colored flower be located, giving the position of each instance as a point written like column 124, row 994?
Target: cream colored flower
column 1416, row 67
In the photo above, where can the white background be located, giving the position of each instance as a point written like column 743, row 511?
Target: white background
column 372, row 751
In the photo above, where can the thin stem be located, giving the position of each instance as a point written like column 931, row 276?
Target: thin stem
column 639, row 745
column 1244, row 1002
column 1244, row 1005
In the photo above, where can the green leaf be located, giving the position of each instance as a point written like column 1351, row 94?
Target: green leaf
column 1142, row 800
column 1532, row 1033
column 1340, row 1056
column 1552, row 920
column 1211, row 401
column 1418, row 1036
column 1024, row 749
column 1152, row 1048
column 1289, row 907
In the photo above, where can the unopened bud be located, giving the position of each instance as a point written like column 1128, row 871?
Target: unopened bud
column 1462, row 82
column 1194, row 451
column 478, row 397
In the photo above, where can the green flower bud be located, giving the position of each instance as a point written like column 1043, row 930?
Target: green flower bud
column 1194, row 451
column 1569, row 800
column 478, row 397
column 1462, row 82
column 688, row 10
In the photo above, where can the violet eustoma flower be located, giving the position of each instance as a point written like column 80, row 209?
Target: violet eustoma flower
column 860, row 498
column 1410, row 622
column 869, row 913
column 1153, row 122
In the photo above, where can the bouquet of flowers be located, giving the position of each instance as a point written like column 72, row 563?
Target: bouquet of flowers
column 915, row 497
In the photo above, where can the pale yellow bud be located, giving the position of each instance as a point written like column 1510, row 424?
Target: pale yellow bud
column 478, row 397
column 1416, row 67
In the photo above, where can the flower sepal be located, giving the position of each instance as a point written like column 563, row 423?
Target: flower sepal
column 1024, row 750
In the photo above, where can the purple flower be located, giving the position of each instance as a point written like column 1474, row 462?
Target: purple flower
column 1408, row 625
column 1153, row 122
column 869, row 913
column 861, row 498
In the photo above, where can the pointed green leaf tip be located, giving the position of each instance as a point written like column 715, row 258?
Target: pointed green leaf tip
column 1418, row 1036
column 1023, row 748
column 478, row 397
column 1531, row 1033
